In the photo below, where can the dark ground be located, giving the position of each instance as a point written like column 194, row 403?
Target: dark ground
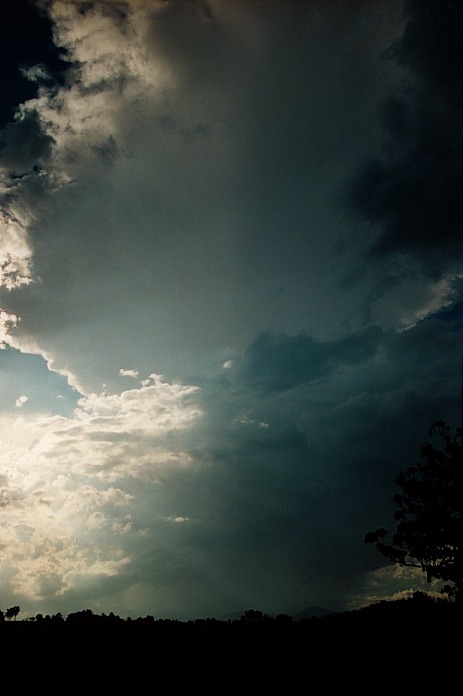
column 410, row 646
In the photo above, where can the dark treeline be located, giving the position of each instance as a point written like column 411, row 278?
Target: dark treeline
column 402, row 643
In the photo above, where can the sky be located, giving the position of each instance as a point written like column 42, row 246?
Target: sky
column 231, row 290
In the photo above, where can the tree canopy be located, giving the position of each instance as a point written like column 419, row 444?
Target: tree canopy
column 12, row 613
column 429, row 532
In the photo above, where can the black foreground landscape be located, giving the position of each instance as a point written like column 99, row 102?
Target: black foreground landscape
column 409, row 645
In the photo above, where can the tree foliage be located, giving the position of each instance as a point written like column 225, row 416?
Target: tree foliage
column 12, row 613
column 429, row 532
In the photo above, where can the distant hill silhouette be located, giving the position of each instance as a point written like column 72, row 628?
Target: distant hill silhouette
column 307, row 613
column 311, row 612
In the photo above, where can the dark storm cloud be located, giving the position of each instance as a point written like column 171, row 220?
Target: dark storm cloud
column 185, row 32
column 24, row 144
column 281, row 490
column 412, row 193
column 275, row 363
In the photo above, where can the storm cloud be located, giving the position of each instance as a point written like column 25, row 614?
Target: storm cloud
column 411, row 192
column 230, row 298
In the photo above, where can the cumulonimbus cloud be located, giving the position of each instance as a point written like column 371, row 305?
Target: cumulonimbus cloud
column 176, row 203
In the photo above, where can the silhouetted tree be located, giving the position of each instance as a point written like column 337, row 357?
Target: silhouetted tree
column 430, row 525
column 253, row 616
column 12, row 613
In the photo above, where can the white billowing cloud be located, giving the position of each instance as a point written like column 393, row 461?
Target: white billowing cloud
column 44, row 552
column 110, row 73
column 129, row 373
column 21, row 400
column 67, row 516
column 7, row 322
column 114, row 436
column 15, row 252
